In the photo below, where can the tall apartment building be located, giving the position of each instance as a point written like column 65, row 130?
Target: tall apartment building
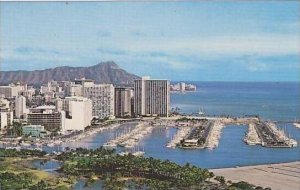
column 123, row 102
column 12, row 90
column 20, row 107
column 74, row 90
column 6, row 115
column 28, row 94
column 182, row 86
column 102, row 96
column 6, row 118
column 78, row 112
column 5, row 91
column 151, row 97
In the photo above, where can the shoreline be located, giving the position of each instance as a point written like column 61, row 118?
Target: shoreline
column 278, row 176
column 255, row 165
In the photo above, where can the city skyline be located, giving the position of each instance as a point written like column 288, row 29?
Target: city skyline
column 190, row 41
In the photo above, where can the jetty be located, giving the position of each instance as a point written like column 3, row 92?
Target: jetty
column 214, row 134
column 252, row 137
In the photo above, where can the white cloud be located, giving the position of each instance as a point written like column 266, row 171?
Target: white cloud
column 223, row 45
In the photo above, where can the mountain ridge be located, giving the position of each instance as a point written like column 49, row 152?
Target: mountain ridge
column 103, row 72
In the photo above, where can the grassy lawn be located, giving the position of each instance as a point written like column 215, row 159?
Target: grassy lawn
column 21, row 165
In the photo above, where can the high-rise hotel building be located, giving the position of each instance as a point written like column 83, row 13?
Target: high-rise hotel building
column 151, row 97
column 102, row 96
column 123, row 101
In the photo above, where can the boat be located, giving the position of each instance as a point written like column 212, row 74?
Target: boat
column 293, row 143
column 138, row 153
column 109, row 145
column 201, row 112
column 25, row 144
column 50, row 144
column 123, row 153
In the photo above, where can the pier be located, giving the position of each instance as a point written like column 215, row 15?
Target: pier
column 214, row 134
column 252, row 137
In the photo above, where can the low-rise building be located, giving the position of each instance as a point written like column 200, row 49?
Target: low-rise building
column 35, row 131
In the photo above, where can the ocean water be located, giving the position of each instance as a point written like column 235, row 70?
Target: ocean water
column 270, row 100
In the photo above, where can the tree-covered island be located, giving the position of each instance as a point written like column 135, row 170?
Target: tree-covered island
column 115, row 172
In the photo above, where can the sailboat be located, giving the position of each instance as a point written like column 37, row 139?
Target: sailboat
column 296, row 123
column 201, row 112
column 138, row 152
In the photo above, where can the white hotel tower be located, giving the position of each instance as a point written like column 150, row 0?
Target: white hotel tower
column 152, row 97
column 76, row 113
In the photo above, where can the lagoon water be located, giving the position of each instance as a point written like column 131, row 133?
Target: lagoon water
column 275, row 101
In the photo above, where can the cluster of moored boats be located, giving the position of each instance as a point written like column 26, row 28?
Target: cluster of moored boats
column 281, row 135
column 37, row 144
column 131, row 138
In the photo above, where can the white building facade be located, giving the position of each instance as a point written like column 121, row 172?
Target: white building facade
column 77, row 112
column 20, row 107
column 101, row 95
column 6, row 115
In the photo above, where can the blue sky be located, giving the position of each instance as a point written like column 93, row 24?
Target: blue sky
column 200, row 41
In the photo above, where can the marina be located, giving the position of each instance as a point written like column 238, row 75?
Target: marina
column 130, row 138
column 231, row 136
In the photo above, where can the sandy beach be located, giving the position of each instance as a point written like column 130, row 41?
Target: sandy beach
column 284, row 176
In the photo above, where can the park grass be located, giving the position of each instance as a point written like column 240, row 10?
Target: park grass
column 18, row 165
